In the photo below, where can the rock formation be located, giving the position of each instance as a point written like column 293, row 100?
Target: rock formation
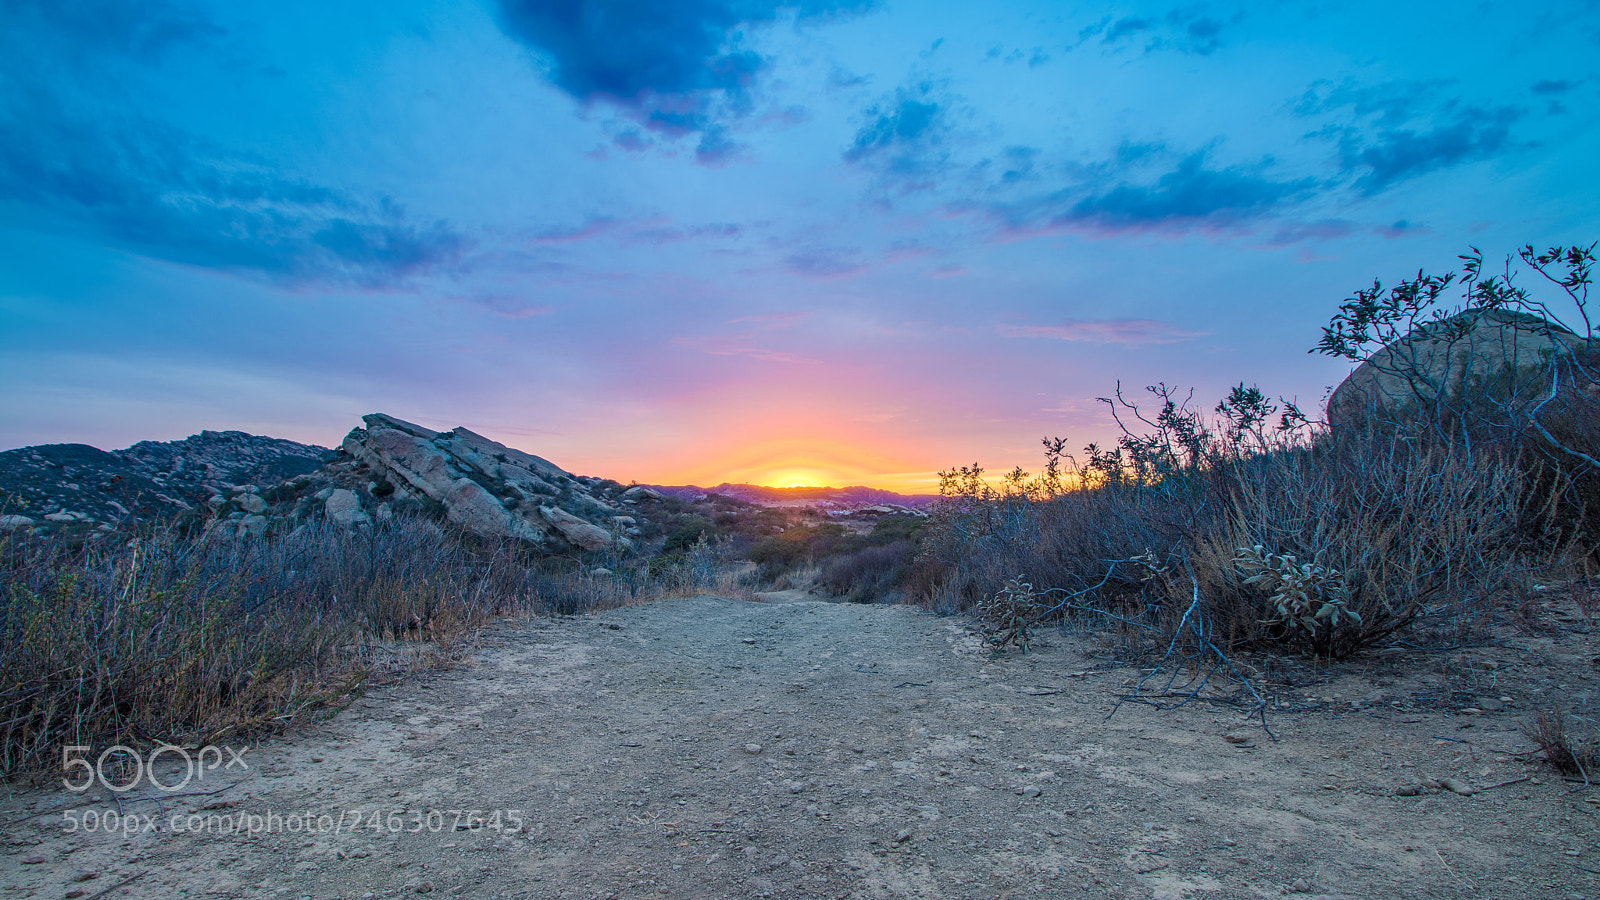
column 1482, row 361
column 245, row 486
column 486, row 487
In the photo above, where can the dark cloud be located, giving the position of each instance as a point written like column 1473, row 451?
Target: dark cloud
column 1393, row 132
column 1126, row 27
column 1186, row 29
column 1401, row 229
column 165, row 194
column 1191, row 195
column 1550, row 88
column 675, row 68
column 910, row 119
column 905, row 138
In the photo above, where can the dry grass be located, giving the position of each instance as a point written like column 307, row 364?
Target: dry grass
column 192, row 639
column 1565, row 752
column 1398, row 533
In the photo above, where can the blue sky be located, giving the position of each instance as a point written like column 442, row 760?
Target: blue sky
column 829, row 241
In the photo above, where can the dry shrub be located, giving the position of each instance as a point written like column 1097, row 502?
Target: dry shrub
column 1565, row 752
column 191, row 638
column 1383, row 533
column 868, row 573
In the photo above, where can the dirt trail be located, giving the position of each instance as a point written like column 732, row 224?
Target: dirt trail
column 708, row 747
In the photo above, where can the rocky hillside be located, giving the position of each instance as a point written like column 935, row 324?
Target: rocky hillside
column 244, row 485
column 75, row 485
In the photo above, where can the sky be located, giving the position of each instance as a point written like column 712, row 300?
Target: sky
column 827, row 242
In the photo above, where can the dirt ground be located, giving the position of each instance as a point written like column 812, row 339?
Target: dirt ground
column 709, row 747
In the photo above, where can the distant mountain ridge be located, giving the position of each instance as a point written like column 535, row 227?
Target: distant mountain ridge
column 762, row 494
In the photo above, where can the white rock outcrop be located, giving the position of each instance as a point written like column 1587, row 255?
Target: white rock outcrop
column 484, row 486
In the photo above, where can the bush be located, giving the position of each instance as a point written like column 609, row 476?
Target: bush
column 189, row 638
column 1286, row 537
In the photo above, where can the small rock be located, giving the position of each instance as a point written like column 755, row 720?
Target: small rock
column 425, row 888
column 752, row 749
column 1408, row 790
column 85, row 876
column 1300, row 886
column 33, row 861
column 75, row 893
column 903, row 835
column 1457, row 786
column 1236, row 737
column 1031, row 790
column 252, row 503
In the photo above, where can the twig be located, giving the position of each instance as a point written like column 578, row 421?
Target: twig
column 123, row 883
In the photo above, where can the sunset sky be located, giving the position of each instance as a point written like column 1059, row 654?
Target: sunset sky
column 735, row 240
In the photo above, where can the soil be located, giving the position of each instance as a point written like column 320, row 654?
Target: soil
column 709, row 747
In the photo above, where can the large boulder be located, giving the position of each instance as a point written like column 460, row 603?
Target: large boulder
column 343, row 508
column 484, row 486
column 1478, row 363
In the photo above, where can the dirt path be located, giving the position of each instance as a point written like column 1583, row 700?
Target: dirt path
column 716, row 748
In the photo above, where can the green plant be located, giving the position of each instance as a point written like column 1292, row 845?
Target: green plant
column 1008, row 617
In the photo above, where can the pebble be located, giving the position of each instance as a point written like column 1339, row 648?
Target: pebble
column 33, row 861
column 1408, row 790
column 903, row 835
column 75, row 893
column 752, row 749
column 86, row 876
column 1031, row 791
column 1300, row 886
column 1457, row 786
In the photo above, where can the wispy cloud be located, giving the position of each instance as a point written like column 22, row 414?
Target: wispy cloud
column 166, row 194
column 1393, row 132
column 747, row 341
column 1191, row 195
column 653, row 230
column 1104, row 331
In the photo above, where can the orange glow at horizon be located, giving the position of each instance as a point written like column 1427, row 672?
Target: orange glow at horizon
column 806, row 462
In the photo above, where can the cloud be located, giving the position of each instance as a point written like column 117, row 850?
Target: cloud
column 1189, row 196
column 510, row 307
column 1104, row 331
column 166, row 194
column 824, row 262
column 1401, row 229
column 1184, row 29
column 1126, row 27
column 1393, row 132
column 905, row 138
column 1551, row 88
column 911, row 119
column 746, row 341
column 675, row 68
column 655, row 231
column 144, row 30
column 1321, row 230
column 73, row 155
